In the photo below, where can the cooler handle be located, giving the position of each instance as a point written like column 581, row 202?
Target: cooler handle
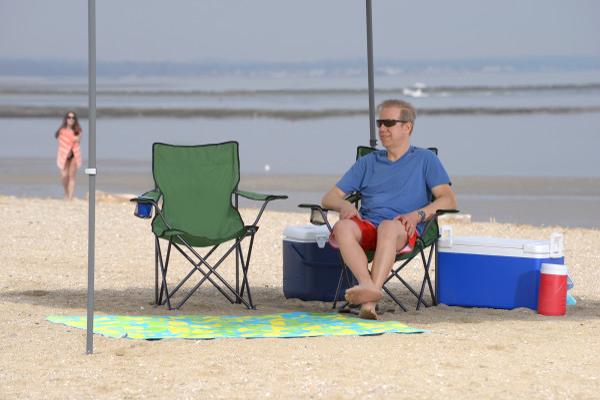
column 321, row 240
column 556, row 245
column 446, row 234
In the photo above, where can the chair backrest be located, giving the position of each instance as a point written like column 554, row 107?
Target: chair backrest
column 364, row 150
column 197, row 183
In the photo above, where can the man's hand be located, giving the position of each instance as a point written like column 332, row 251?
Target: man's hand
column 409, row 221
column 335, row 200
column 348, row 210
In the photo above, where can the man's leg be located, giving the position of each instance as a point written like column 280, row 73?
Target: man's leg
column 355, row 258
column 391, row 237
column 348, row 235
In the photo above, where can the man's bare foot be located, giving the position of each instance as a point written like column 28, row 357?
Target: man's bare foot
column 361, row 294
column 367, row 311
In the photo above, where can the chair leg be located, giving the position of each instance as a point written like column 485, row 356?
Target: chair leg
column 237, row 270
column 233, row 294
column 155, row 272
column 166, row 266
column 206, row 275
column 196, row 267
column 435, row 303
column 396, row 273
column 426, row 278
column 212, row 271
column 396, row 300
column 245, row 266
column 163, row 271
column 339, row 287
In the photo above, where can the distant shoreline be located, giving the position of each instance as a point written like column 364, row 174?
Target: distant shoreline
column 15, row 111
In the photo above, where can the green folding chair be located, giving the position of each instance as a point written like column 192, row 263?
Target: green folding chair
column 426, row 242
column 195, row 203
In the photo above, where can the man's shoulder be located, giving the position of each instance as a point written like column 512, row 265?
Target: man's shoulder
column 423, row 151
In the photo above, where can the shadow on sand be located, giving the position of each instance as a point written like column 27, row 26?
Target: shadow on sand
column 139, row 301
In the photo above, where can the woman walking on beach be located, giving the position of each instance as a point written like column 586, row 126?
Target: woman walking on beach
column 68, row 158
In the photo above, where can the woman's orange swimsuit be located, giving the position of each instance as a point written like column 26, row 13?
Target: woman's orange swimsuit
column 67, row 142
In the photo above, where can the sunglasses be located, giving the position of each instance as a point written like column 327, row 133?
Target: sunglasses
column 389, row 122
column 70, row 117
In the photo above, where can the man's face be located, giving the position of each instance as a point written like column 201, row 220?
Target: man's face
column 397, row 135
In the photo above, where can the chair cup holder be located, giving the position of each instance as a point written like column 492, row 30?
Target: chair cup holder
column 143, row 210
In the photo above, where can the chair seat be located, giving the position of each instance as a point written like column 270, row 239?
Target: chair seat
column 198, row 241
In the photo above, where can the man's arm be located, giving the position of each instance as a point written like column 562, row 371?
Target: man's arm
column 335, row 200
column 444, row 199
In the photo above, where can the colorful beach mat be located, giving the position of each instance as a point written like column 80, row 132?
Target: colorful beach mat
column 283, row 325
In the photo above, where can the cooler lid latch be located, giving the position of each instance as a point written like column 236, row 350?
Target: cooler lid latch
column 321, row 240
column 556, row 245
column 446, row 235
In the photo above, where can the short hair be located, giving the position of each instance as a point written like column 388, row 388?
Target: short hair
column 407, row 111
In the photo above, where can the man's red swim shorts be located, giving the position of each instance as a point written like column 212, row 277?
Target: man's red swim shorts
column 368, row 239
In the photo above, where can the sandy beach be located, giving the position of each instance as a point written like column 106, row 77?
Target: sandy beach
column 468, row 353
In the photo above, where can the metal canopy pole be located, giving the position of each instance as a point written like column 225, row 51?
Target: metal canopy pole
column 91, row 172
column 373, row 139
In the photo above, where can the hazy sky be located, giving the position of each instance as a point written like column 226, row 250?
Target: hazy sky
column 302, row 30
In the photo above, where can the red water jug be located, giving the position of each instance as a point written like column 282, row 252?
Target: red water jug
column 553, row 290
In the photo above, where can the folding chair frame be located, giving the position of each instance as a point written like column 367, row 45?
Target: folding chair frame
column 234, row 295
column 319, row 217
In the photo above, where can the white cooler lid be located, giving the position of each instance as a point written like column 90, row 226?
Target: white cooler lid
column 305, row 233
column 500, row 247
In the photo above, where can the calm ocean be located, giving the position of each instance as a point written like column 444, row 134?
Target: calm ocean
column 499, row 124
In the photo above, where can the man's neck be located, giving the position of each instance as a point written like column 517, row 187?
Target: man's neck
column 395, row 153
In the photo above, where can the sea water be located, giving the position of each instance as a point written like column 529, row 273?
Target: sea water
column 493, row 124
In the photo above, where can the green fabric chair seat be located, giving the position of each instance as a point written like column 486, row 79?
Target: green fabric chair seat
column 193, row 240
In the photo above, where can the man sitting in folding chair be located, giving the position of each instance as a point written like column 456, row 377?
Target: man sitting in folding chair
column 396, row 185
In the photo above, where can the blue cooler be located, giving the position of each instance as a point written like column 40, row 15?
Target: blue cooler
column 493, row 272
column 311, row 267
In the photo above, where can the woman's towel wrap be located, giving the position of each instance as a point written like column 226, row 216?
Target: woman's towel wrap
column 67, row 142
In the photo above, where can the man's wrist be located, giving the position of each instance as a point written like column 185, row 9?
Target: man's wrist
column 421, row 215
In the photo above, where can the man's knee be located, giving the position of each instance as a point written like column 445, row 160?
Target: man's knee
column 390, row 229
column 345, row 229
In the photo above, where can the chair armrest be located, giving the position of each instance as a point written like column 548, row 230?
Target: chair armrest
column 260, row 196
column 434, row 220
column 318, row 214
column 265, row 198
column 353, row 197
column 447, row 211
column 313, row 206
column 151, row 196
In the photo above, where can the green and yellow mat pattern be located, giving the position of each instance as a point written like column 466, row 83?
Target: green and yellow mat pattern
column 282, row 325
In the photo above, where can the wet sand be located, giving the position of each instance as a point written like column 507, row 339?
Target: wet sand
column 541, row 201
column 469, row 353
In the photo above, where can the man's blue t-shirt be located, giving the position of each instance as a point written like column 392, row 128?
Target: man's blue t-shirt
column 390, row 188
